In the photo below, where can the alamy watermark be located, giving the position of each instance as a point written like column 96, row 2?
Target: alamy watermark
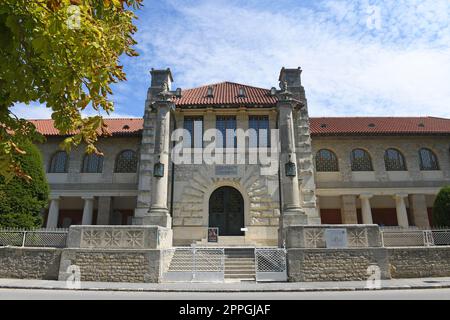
column 374, row 17
column 74, row 17
column 73, row 281
column 236, row 146
column 374, row 279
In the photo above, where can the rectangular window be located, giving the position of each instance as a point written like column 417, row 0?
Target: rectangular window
column 261, row 125
column 194, row 125
column 224, row 123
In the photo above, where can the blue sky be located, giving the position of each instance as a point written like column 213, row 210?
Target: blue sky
column 359, row 58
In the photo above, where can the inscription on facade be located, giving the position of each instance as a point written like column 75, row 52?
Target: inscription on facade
column 226, row 170
column 336, row 238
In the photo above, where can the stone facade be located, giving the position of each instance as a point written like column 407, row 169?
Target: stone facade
column 112, row 265
column 29, row 263
column 419, row 262
column 306, row 264
column 335, row 264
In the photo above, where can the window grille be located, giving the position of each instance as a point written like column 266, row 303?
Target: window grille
column 428, row 160
column 92, row 163
column 326, row 161
column 394, row 160
column 127, row 162
column 58, row 164
column 361, row 160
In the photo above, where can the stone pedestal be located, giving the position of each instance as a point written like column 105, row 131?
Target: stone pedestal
column 119, row 237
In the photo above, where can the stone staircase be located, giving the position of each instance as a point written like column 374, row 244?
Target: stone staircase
column 240, row 264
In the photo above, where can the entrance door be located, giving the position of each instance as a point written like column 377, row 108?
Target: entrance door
column 226, row 211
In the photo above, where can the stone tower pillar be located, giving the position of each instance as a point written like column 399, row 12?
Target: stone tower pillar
column 152, row 206
column 291, row 78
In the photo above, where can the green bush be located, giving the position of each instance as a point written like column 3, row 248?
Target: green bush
column 441, row 208
column 21, row 201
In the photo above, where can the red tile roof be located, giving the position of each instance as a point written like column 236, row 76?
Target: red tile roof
column 319, row 126
column 379, row 125
column 225, row 93
column 116, row 126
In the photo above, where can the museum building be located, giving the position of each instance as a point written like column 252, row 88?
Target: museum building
column 331, row 170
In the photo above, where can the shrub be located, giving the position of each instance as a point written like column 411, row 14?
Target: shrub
column 441, row 208
column 21, row 201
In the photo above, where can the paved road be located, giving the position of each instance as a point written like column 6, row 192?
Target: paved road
column 346, row 295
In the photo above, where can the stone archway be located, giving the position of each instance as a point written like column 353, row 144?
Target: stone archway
column 226, row 211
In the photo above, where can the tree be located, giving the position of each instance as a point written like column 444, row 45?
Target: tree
column 441, row 208
column 64, row 53
column 21, row 201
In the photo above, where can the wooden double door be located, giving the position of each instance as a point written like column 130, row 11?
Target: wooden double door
column 226, row 211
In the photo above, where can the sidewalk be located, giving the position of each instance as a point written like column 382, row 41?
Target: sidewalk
column 395, row 284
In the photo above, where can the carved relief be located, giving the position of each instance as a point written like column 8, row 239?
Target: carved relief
column 111, row 239
column 358, row 238
column 314, row 238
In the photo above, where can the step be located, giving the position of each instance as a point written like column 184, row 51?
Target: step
column 239, row 261
column 240, row 272
column 240, row 267
column 240, row 276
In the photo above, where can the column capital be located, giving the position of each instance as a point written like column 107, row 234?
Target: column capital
column 365, row 195
column 54, row 197
column 400, row 195
column 88, row 197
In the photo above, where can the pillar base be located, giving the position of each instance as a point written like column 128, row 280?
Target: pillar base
column 153, row 217
column 290, row 217
column 293, row 216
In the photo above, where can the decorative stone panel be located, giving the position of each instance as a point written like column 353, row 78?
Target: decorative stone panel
column 115, row 237
column 313, row 236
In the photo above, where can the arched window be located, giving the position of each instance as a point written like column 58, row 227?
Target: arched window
column 326, row 161
column 394, row 160
column 126, row 162
column 58, row 163
column 428, row 160
column 92, row 163
column 361, row 160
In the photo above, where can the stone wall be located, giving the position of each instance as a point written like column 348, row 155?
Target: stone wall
column 419, row 262
column 29, row 263
column 112, row 265
column 380, row 178
column 335, row 264
column 351, row 264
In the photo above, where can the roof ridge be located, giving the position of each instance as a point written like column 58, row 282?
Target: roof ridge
column 225, row 82
column 49, row 119
column 382, row 117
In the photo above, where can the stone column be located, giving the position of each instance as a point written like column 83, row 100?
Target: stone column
column 292, row 211
column 104, row 210
column 160, row 82
column 402, row 214
column 159, row 211
column 53, row 212
column 88, row 210
column 419, row 212
column 348, row 209
column 366, row 211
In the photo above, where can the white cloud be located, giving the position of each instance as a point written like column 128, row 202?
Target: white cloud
column 401, row 69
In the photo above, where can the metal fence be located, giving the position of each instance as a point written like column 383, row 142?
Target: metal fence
column 270, row 264
column 193, row 264
column 415, row 237
column 55, row 238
